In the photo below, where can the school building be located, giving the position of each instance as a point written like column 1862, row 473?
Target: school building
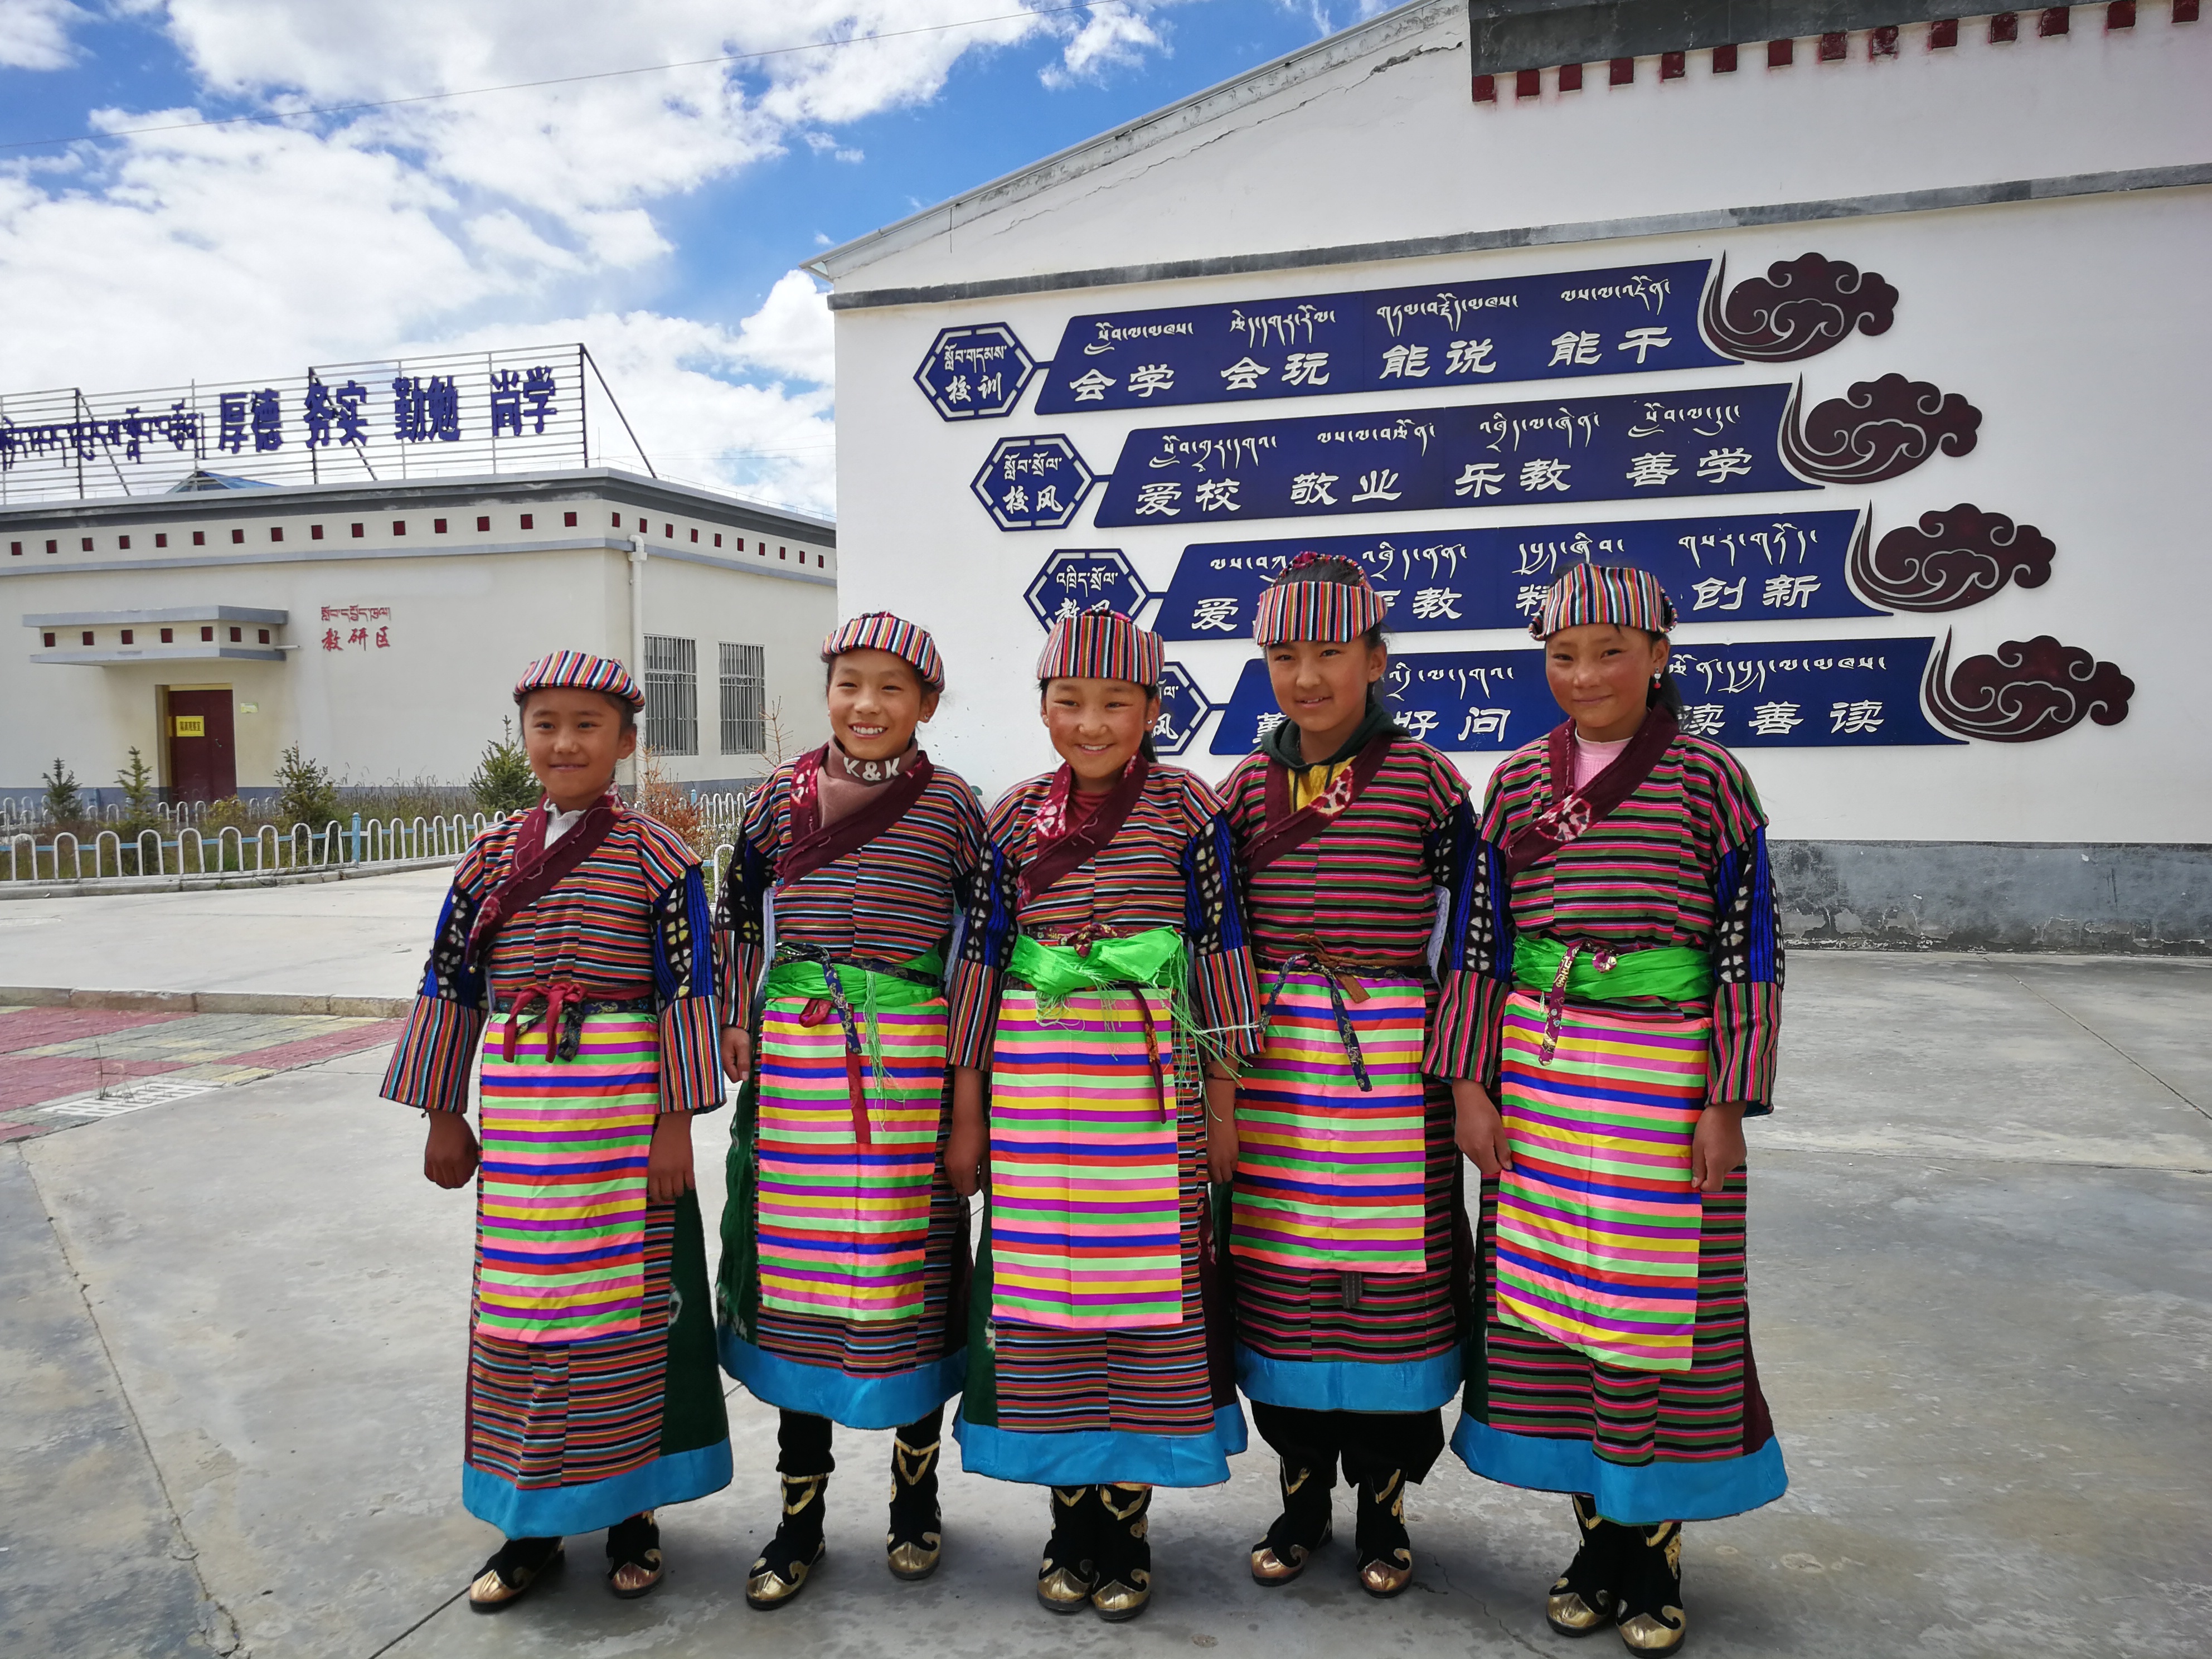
column 1876, row 331
column 212, row 603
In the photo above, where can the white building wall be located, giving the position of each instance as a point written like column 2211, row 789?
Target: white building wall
column 2074, row 325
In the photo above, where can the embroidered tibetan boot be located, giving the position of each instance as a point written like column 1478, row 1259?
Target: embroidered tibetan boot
column 1587, row 1595
column 518, row 1564
column 1650, row 1620
column 1302, row 1528
column 1069, row 1571
column 797, row 1548
column 1386, row 1550
column 1124, row 1554
column 916, row 1538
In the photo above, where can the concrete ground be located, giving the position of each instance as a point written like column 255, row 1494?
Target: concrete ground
column 350, row 938
column 232, row 1328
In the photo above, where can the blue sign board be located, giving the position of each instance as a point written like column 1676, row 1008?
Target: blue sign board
column 975, row 373
column 1568, row 325
column 1762, row 566
column 1076, row 577
column 1832, row 694
column 1032, row 483
column 1183, row 709
column 1553, row 452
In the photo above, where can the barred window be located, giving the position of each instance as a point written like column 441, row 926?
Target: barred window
column 671, row 694
column 744, row 699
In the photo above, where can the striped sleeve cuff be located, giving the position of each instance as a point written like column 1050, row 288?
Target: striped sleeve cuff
column 430, row 1065
column 690, row 1057
column 1747, row 1023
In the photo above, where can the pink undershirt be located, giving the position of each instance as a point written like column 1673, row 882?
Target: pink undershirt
column 1592, row 758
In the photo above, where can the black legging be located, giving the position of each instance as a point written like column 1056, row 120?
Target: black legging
column 1368, row 1443
column 802, row 1440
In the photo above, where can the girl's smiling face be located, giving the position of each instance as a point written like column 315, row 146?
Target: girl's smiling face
column 1098, row 726
column 876, row 701
column 1601, row 674
column 1321, row 688
column 573, row 738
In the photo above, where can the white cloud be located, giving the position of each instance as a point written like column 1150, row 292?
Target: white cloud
column 224, row 251
column 34, row 34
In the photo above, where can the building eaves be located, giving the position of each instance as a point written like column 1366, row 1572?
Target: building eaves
column 1199, row 110
column 1506, row 35
column 280, row 501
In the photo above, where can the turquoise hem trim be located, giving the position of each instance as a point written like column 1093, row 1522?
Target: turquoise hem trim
column 855, row 1402
column 1095, row 1457
column 557, row 1511
column 1638, row 1495
column 1350, row 1385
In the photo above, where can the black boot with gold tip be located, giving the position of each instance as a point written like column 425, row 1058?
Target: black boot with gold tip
column 797, row 1548
column 1650, row 1620
column 1124, row 1554
column 1386, row 1552
column 916, row 1538
column 1585, row 1596
column 1299, row 1530
column 1069, row 1571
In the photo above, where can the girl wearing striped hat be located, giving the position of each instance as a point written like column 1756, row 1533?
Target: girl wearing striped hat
column 1626, row 987
column 1348, row 1227
column 572, row 955
column 841, row 1293
column 1104, row 984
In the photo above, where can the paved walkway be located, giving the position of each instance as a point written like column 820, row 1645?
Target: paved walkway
column 59, row 1065
column 356, row 938
column 231, row 1341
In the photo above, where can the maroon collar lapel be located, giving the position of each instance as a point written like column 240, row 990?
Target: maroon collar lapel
column 1571, row 812
column 1055, row 844
column 536, row 869
column 1287, row 830
column 812, row 844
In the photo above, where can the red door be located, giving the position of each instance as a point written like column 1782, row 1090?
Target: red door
column 203, row 761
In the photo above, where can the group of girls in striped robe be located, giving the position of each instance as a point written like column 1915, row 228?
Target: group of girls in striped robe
column 1215, row 1063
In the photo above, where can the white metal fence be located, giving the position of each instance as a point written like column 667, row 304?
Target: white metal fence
column 183, row 844
column 178, row 848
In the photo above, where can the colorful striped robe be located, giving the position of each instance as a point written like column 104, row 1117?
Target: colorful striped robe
column 1681, row 861
column 1078, row 1407
column 1368, row 888
column 565, row 1437
column 889, row 901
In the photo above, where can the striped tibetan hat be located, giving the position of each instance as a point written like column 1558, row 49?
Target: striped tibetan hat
column 1618, row 594
column 578, row 670
column 1314, row 608
column 1101, row 644
column 880, row 630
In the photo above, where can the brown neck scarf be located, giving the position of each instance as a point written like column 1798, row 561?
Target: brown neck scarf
column 1063, row 834
column 1287, row 831
column 814, row 843
column 1573, row 812
column 536, row 869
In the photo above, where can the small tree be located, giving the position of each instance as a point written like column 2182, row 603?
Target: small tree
column 137, row 782
column 306, row 792
column 504, row 782
column 62, row 800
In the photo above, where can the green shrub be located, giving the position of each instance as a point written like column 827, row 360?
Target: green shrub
column 306, row 792
column 62, row 800
column 503, row 782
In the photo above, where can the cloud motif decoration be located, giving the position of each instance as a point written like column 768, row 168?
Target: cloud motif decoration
column 1950, row 560
column 2027, row 690
column 1799, row 309
column 1878, row 430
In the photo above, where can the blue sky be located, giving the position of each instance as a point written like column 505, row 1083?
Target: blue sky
column 658, row 216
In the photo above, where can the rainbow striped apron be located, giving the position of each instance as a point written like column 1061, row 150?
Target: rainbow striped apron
column 1086, row 1218
column 1329, row 1127
column 562, row 1195
column 1598, row 1223
column 848, row 1113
